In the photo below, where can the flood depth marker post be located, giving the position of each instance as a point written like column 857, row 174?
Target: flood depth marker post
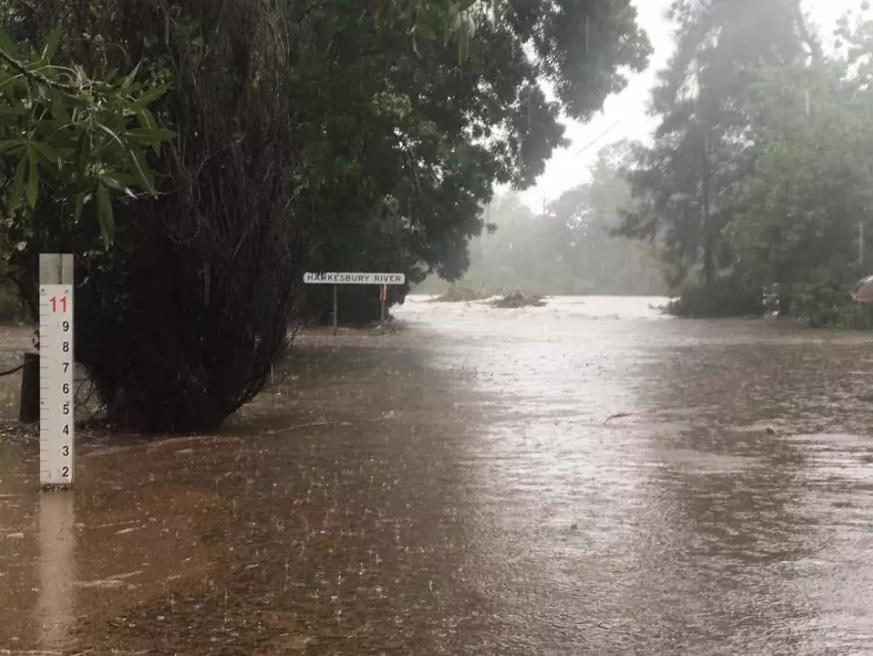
column 56, row 364
column 335, row 279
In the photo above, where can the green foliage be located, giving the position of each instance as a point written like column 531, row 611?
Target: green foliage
column 724, row 297
column 820, row 301
column 685, row 181
column 403, row 141
column 369, row 134
column 799, row 213
column 425, row 20
column 762, row 171
column 67, row 138
column 180, row 320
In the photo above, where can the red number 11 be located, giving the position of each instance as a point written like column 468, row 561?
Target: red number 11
column 63, row 303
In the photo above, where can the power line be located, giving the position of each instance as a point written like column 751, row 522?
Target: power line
column 599, row 137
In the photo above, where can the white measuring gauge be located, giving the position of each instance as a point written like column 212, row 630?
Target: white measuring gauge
column 56, row 396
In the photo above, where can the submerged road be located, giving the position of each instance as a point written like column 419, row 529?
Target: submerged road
column 583, row 478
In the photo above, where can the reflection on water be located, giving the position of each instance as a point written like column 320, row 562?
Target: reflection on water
column 57, row 569
column 717, row 514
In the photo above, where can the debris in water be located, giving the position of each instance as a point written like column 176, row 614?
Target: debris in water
column 518, row 300
column 458, row 294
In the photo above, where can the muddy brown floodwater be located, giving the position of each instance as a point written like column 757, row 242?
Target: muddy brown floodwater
column 582, row 478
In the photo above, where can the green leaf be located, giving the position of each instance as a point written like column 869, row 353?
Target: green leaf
column 149, row 97
column 112, row 183
column 52, row 41
column 32, row 189
column 128, row 81
column 12, row 114
column 81, row 166
column 145, row 173
column 10, row 145
column 59, row 109
column 7, row 44
column 463, row 46
column 48, row 152
column 17, row 185
column 146, row 119
column 150, row 136
column 104, row 214
column 125, row 179
column 78, row 203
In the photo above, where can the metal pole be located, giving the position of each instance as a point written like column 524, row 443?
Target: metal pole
column 861, row 245
column 383, row 293
column 335, row 311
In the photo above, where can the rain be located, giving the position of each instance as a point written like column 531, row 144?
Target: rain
column 436, row 328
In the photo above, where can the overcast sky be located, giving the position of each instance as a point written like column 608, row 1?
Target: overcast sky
column 625, row 115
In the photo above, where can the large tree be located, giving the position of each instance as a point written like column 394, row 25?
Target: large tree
column 415, row 138
column 181, row 317
column 803, row 211
column 334, row 132
column 570, row 248
column 686, row 180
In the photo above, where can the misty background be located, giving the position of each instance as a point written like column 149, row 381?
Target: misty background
column 557, row 236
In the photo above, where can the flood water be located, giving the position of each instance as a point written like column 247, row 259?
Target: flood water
column 589, row 477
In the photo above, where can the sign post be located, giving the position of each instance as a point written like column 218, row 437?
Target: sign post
column 56, row 364
column 335, row 312
column 383, row 297
column 335, row 279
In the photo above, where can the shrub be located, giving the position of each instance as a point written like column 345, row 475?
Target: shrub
column 822, row 300
column 723, row 298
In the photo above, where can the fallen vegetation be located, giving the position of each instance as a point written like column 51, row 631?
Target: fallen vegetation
column 518, row 300
column 458, row 294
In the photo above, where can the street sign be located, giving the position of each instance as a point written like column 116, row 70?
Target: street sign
column 56, row 364
column 355, row 278
column 381, row 279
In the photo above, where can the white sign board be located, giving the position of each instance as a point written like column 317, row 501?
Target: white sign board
column 355, row 278
column 56, row 401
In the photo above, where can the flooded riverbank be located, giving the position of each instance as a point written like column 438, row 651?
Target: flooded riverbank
column 589, row 477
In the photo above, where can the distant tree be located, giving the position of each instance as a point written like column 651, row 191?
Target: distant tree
column 570, row 249
column 685, row 181
column 800, row 213
column 602, row 261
